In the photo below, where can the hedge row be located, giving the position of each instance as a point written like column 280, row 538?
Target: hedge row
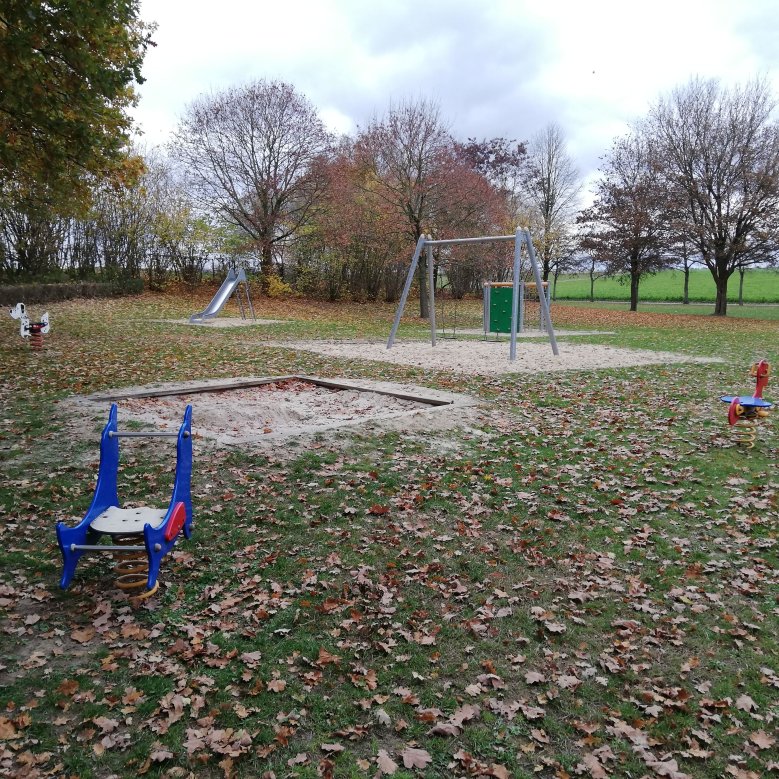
column 10, row 294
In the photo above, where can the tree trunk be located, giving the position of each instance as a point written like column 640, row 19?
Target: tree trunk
column 634, row 279
column 592, row 287
column 741, row 273
column 686, row 293
column 721, row 302
column 266, row 266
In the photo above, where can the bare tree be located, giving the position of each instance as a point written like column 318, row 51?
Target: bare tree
column 503, row 162
column 400, row 153
column 551, row 188
column 683, row 250
column 253, row 154
column 564, row 255
column 626, row 226
column 720, row 152
column 31, row 235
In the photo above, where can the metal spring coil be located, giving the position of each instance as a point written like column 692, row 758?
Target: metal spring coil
column 745, row 432
column 133, row 570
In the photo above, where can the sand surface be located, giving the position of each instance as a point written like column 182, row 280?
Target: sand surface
column 267, row 414
column 490, row 357
column 292, row 407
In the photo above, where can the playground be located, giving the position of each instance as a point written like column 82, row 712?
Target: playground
column 422, row 561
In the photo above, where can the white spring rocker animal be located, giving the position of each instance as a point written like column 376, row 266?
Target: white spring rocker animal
column 32, row 330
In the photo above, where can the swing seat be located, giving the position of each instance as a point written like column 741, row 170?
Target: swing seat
column 157, row 530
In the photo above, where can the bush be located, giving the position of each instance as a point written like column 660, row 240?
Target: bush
column 278, row 288
column 32, row 293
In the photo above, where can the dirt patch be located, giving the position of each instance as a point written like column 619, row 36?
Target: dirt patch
column 489, row 358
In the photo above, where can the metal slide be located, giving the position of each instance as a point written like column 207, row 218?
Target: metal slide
column 229, row 285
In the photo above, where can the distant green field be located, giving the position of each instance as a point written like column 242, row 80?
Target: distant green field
column 760, row 286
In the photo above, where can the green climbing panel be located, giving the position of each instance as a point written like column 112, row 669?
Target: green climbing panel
column 500, row 310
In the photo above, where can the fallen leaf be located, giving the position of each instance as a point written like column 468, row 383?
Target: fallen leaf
column 745, row 703
column 539, row 735
column 68, row 687
column 382, row 717
column 332, row 749
column 7, row 729
column 386, row 764
column 761, row 739
column 159, row 753
column 594, row 767
column 415, row 758
column 325, row 658
column 499, row 771
column 83, row 635
column 105, row 724
column 465, row 713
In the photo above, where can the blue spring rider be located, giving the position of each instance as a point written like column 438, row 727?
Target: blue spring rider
column 157, row 529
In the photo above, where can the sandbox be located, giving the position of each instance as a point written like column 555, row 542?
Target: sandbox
column 266, row 410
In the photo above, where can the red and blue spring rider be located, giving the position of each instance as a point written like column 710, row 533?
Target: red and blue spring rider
column 140, row 537
column 744, row 412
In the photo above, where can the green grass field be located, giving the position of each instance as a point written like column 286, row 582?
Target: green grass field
column 760, row 311
column 582, row 582
column 760, row 286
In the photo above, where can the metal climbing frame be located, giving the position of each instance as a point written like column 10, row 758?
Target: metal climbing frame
column 520, row 238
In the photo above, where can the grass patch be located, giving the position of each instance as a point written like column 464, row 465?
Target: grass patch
column 761, row 285
column 589, row 583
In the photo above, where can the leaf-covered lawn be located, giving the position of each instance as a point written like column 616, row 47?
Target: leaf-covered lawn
column 584, row 586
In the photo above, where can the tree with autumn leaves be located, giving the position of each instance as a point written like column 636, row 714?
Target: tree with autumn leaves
column 67, row 75
column 627, row 226
column 255, row 156
column 411, row 163
column 356, row 245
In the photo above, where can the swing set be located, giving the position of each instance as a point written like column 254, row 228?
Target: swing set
column 521, row 238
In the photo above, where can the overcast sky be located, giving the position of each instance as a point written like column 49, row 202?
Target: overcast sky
column 496, row 67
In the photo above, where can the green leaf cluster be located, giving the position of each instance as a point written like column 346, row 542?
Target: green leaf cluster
column 67, row 72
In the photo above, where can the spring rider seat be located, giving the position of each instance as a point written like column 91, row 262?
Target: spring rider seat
column 141, row 536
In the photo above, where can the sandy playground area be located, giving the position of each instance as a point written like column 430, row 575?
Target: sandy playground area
column 266, row 410
column 492, row 357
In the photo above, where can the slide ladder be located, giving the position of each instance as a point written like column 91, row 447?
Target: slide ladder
column 141, row 536
column 232, row 283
